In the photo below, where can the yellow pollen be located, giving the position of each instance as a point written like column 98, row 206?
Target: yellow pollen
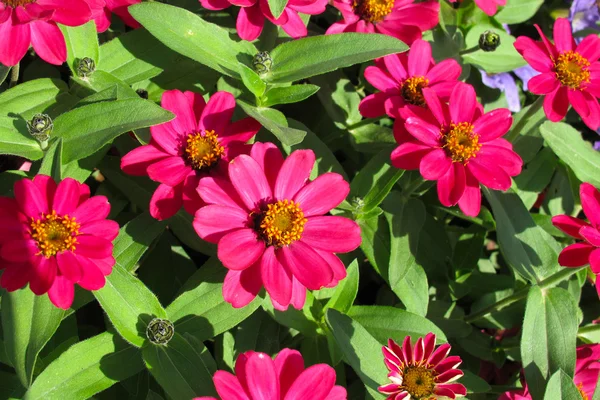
column 203, row 150
column 412, row 90
column 373, row 10
column 282, row 223
column 572, row 70
column 419, row 382
column 461, row 142
column 17, row 3
column 54, row 233
column 581, row 392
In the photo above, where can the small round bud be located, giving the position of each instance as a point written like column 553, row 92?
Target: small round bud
column 40, row 127
column 262, row 62
column 160, row 331
column 489, row 41
column 85, row 67
column 142, row 93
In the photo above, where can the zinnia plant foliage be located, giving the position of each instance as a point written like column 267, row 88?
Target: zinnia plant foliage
column 299, row 199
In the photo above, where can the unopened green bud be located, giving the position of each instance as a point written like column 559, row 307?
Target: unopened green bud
column 85, row 67
column 40, row 127
column 262, row 62
column 489, row 41
column 160, row 331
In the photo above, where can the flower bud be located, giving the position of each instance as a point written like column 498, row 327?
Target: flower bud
column 85, row 67
column 142, row 93
column 262, row 62
column 40, row 127
column 160, row 331
column 489, row 41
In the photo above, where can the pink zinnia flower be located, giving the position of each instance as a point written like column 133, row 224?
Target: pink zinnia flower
column 199, row 142
column 258, row 377
column 587, row 372
column 402, row 19
column 252, row 15
column 458, row 146
column 587, row 251
column 102, row 11
column 54, row 236
column 422, row 371
column 570, row 73
column 270, row 225
column 487, row 6
column 33, row 22
column 402, row 78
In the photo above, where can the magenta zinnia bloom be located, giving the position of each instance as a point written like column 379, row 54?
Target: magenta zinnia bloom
column 33, row 22
column 270, row 225
column 490, row 7
column 458, row 146
column 402, row 78
column 587, row 251
column 54, row 236
column 102, row 11
column 402, row 19
column 199, row 142
column 258, row 377
column 252, row 15
column 570, row 73
column 422, row 371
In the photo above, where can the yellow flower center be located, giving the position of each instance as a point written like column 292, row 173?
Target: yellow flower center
column 54, row 233
column 419, row 382
column 202, row 151
column 584, row 396
column 572, row 69
column 412, row 90
column 461, row 142
column 282, row 223
column 17, row 3
column 373, row 10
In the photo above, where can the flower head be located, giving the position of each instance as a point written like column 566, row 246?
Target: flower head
column 252, row 15
column 199, row 142
column 103, row 9
column 401, row 79
column 270, row 225
column 458, row 146
column 584, row 14
column 490, row 7
column 25, row 23
column 258, row 377
column 569, row 72
column 586, row 251
column 421, row 372
column 54, row 236
column 403, row 19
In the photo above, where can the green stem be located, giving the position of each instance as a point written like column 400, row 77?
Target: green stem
column 412, row 187
column 516, row 131
column 364, row 122
column 14, row 76
column 469, row 50
column 552, row 280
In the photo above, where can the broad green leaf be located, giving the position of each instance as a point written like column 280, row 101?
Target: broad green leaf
column 15, row 139
column 381, row 188
column 288, row 94
column 525, row 131
column 82, row 41
column 201, row 309
column 374, row 170
column 52, row 161
column 9, row 385
column 28, row 322
column 101, row 81
column 526, row 247
column 277, row 7
column 375, row 243
column 549, row 336
column 536, row 176
column 384, row 322
column 28, row 98
column 190, row 35
column 252, row 81
column 561, row 386
column 474, row 383
column 339, row 98
column 86, row 129
column 258, row 332
column 517, row 11
column 315, row 55
column 183, row 367
column 346, row 290
column 304, row 321
column 573, row 150
column 87, row 368
column 181, row 225
column 505, row 58
column 129, row 304
column 361, row 350
column 274, row 121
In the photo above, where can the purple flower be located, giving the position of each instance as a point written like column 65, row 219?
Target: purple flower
column 584, row 14
column 506, row 83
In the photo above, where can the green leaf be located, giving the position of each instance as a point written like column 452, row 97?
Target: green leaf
column 4, row 70
column 82, row 41
column 288, row 95
column 190, row 35
column 526, row 247
column 52, row 161
column 181, row 225
column 87, row 368
column 277, row 7
column 315, row 55
column 549, row 336
column 101, row 81
column 252, row 81
column 517, row 11
column 201, row 309
column 505, row 58
column 129, row 304
column 304, row 321
column 346, row 290
column 86, row 129
column 29, row 98
column 374, row 170
column 183, row 367
column 474, row 383
column 561, row 386
column 361, row 350
column 375, row 243
column 28, row 322
column 384, row 322
column 573, row 150
column 381, row 188
column 536, row 176
column 15, row 139
column 274, row 121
